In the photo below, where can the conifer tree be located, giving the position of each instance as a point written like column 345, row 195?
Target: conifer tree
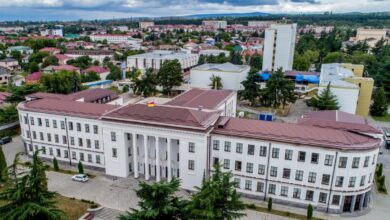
column 80, row 167
column 55, row 164
column 3, row 165
column 326, row 100
column 379, row 105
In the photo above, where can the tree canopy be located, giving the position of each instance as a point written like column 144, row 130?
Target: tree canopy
column 379, row 105
column 169, row 75
column 325, row 100
column 279, row 90
column 62, row 82
column 146, row 85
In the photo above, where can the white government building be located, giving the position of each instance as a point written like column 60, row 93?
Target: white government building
column 330, row 166
column 279, row 46
column 156, row 58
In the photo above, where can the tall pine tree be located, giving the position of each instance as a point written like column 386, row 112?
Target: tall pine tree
column 379, row 106
column 326, row 100
column 3, row 166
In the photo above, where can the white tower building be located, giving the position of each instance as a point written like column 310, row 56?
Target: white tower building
column 279, row 47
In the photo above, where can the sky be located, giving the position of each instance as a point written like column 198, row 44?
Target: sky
column 43, row 10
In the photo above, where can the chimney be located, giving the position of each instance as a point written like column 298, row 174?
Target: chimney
column 200, row 107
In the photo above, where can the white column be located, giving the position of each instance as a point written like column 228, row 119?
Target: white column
column 169, row 162
column 158, row 177
column 135, row 156
column 146, row 154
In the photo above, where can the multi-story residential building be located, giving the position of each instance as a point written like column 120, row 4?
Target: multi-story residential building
column 10, row 63
column 53, row 32
column 156, row 58
column 22, row 49
column 215, row 24
column 371, row 36
column 279, row 46
column 262, row 24
column 5, row 76
column 353, row 91
column 145, row 24
column 329, row 168
column 231, row 75
column 98, row 55
column 116, row 39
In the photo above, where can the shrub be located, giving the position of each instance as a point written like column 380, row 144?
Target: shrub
column 309, row 211
column 55, row 164
column 381, row 180
column 251, row 206
column 379, row 170
column 93, row 206
column 269, row 204
column 81, row 168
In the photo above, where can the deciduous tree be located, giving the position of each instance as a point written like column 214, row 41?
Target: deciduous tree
column 170, row 75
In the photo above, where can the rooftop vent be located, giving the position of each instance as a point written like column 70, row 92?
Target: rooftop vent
column 223, row 122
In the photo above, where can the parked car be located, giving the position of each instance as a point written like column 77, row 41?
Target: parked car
column 80, row 178
column 5, row 140
column 387, row 139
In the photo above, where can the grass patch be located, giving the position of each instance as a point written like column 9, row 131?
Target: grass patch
column 73, row 208
column 385, row 118
column 280, row 213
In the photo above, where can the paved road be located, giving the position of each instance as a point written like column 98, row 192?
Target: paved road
column 11, row 149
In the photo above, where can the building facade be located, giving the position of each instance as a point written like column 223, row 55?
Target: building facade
column 294, row 164
column 215, row 24
column 279, row 46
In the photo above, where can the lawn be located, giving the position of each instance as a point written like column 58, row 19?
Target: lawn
column 385, row 118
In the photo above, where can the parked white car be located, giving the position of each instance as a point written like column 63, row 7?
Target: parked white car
column 80, row 178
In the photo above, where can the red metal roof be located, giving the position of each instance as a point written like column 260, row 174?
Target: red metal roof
column 89, row 95
column 338, row 120
column 97, row 69
column 34, row 76
column 194, row 98
column 65, row 67
column 164, row 115
column 296, row 134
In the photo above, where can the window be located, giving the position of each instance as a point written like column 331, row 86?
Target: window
column 114, row 153
column 312, row 177
column 251, row 149
column 74, row 155
column 82, row 156
column 86, row 128
column 191, row 147
column 339, row 181
column 215, row 144
column 342, row 162
column 296, row 193
column 48, row 137
column 301, row 156
column 95, row 129
column 215, row 160
column 98, row 159
column 28, row 134
column 58, row 152
column 336, row 200
column 237, row 182
column 314, row 158
column 366, row 161
column 228, row 145
column 328, row 160
column 309, row 195
column 32, row 121
column 54, row 123
column 88, row 143
column 322, row 198
column 260, row 187
column 41, row 136
column 64, row 139
column 90, row 158
column 63, row 125
column 56, row 138
column 191, row 165
column 70, row 125
column 39, row 122
column 362, row 180
column 286, row 173
column 325, row 179
column 50, row 151
column 248, row 185
column 373, row 159
column 66, row 154
column 352, row 181
column 274, row 171
column 96, row 144
column 239, row 148
column 261, row 169
column 355, row 162
column 25, row 119
column 113, row 136
column 299, row 175
column 80, row 142
column 284, row 191
column 271, row 188
column 43, row 150
column 237, row 166
column 288, row 154
column 369, row 178
column 263, row 151
column 34, row 135
column 275, row 152
column 78, row 126
column 47, row 122
column 226, row 164
column 249, row 167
